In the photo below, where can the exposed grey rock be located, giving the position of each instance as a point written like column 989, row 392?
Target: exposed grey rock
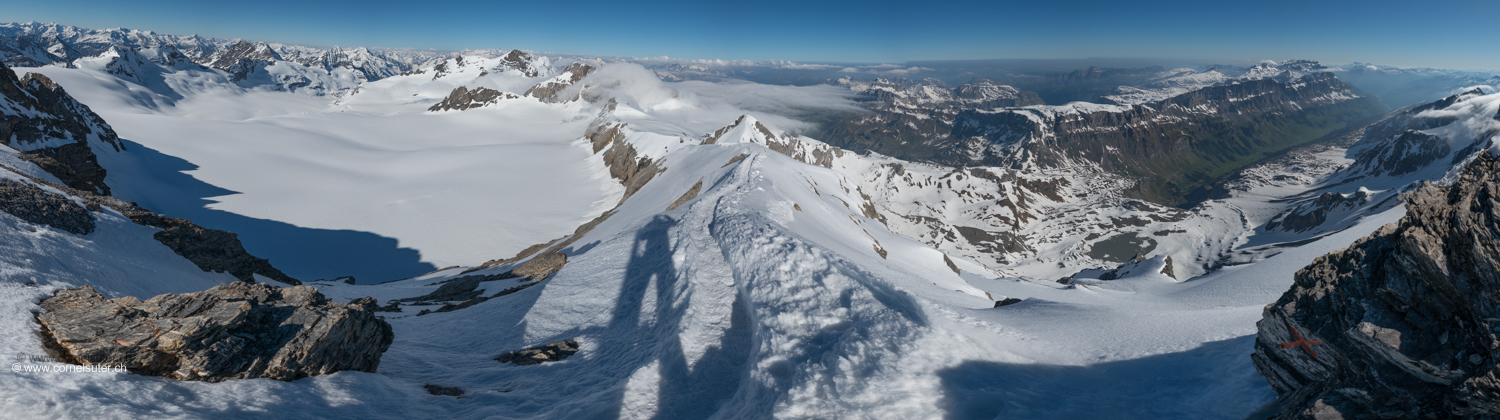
column 36, row 205
column 1007, row 302
column 242, row 59
column 450, row 307
column 463, row 98
column 1403, row 322
column 512, row 260
column 551, row 91
column 520, row 62
column 993, row 242
column 554, row 247
column 35, row 111
column 444, row 390
column 951, row 265
column 462, row 288
column 1312, row 214
column 541, row 267
column 687, row 196
column 786, row 144
column 1135, row 265
column 209, row 249
column 233, row 331
column 625, row 164
column 548, row 353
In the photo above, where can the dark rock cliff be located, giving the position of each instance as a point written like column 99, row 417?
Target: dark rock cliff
column 210, row 249
column 1402, row 324
column 53, row 130
column 463, row 98
column 552, row 90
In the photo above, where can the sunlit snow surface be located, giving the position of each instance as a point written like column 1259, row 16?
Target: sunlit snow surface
column 344, row 180
column 762, row 297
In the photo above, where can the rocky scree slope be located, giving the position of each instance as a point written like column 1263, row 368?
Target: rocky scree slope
column 1402, row 324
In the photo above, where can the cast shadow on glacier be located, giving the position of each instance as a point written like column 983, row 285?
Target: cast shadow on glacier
column 160, row 182
column 1215, row 380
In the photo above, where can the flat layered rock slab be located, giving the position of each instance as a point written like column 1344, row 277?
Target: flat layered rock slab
column 233, row 331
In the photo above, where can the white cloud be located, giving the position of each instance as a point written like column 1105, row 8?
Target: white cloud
column 716, row 104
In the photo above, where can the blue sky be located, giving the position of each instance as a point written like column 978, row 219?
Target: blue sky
column 1447, row 34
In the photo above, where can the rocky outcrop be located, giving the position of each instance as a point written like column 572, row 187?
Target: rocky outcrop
column 53, row 130
column 446, row 391
column 687, row 196
column 747, row 129
column 535, row 355
column 541, row 267
column 552, row 90
column 210, row 249
column 1402, row 324
column 607, row 133
column 33, row 204
column 1137, row 265
column 551, row 259
column 1309, row 215
column 459, row 289
column 462, row 98
column 460, row 293
column 242, row 59
column 233, row 331
column 519, row 62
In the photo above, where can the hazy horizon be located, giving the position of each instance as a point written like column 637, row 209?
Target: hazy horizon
column 1382, row 32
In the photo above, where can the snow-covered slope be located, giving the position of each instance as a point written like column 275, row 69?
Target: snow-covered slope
column 715, row 263
column 457, row 187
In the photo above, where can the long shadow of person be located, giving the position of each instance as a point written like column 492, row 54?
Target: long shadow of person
column 653, row 278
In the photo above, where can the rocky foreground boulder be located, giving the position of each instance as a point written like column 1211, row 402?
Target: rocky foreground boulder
column 233, row 331
column 1402, row 324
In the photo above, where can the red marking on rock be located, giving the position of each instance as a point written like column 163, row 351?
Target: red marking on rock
column 1302, row 342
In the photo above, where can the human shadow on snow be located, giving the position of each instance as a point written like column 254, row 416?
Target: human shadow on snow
column 303, row 253
column 1194, row 384
column 685, row 391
